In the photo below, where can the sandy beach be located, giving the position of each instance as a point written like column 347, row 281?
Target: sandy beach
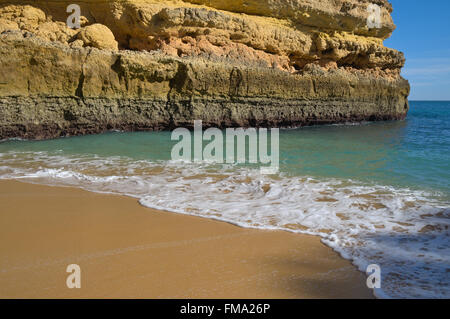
column 129, row 251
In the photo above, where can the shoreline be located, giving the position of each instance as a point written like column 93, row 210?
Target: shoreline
column 126, row 250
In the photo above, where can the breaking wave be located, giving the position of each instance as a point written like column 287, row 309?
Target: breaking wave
column 404, row 231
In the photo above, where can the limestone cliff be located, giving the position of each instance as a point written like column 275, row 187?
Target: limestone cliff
column 154, row 64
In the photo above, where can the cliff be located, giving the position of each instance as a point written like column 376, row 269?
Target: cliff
column 153, row 64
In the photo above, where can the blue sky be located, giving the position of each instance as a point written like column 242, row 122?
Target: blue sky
column 423, row 34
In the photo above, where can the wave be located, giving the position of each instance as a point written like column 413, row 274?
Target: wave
column 404, row 231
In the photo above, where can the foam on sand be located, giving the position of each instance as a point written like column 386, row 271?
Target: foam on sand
column 404, row 231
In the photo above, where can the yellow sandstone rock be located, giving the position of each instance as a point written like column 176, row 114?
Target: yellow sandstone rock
column 98, row 36
column 228, row 62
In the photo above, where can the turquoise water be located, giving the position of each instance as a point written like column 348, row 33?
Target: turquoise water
column 375, row 192
column 413, row 153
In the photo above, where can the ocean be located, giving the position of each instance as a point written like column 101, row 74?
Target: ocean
column 377, row 193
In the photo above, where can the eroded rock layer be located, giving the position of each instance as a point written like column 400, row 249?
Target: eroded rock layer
column 153, row 64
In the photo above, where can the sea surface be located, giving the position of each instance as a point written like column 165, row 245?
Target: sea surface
column 377, row 193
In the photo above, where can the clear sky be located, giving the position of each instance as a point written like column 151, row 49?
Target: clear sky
column 423, row 34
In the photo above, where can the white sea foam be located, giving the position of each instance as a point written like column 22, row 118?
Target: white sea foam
column 406, row 232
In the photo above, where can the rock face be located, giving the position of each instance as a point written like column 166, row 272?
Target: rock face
column 98, row 36
column 153, row 64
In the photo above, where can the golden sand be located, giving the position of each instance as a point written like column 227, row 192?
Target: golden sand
column 129, row 251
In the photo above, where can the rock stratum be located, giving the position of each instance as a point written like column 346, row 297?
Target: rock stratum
column 151, row 65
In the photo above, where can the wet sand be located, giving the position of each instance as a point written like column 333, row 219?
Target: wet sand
column 129, row 251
